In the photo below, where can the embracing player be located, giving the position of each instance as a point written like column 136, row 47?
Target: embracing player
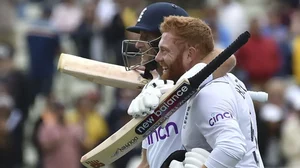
column 164, row 140
column 221, row 117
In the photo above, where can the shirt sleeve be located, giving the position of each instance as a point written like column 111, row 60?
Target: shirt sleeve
column 216, row 121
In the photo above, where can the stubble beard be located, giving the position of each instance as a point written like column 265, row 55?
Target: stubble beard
column 175, row 71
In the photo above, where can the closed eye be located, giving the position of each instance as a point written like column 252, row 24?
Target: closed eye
column 163, row 49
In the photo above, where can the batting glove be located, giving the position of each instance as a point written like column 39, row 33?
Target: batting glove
column 193, row 159
column 146, row 102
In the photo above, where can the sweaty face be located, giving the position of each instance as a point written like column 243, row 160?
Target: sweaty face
column 171, row 57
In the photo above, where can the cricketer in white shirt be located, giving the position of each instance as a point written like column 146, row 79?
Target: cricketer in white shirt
column 221, row 119
column 167, row 139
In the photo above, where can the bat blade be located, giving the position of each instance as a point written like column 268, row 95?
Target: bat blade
column 100, row 72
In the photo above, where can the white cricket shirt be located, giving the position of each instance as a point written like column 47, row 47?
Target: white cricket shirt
column 166, row 140
column 222, row 120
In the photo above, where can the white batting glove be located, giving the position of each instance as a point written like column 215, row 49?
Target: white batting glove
column 176, row 164
column 193, row 159
column 146, row 102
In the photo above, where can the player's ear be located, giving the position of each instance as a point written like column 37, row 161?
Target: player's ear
column 191, row 54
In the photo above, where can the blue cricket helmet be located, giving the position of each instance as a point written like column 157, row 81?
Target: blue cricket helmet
column 153, row 15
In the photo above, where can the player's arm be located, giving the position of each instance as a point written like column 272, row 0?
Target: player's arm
column 144, row 161
column 148, row 99
column 219, row 126
column 226, row 67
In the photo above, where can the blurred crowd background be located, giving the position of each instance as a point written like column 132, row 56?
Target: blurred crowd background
column 49, row 119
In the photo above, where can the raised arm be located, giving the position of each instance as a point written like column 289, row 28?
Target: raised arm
column 226, row 67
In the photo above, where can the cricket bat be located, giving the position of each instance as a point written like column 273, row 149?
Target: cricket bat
column 133, row 133
column 100, row 72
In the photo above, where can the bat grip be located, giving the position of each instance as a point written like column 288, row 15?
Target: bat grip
column 147, row 74
column 197, row 79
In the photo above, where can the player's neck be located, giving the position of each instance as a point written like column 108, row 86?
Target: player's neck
column 197, row 60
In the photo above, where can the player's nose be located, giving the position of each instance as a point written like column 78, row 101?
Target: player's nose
column 139, row 45
column 158, row 57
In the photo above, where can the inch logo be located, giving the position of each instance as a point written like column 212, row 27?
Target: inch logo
column 95, row 164
column 162, row 133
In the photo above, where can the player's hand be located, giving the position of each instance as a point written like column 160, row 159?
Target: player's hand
column 146, row 102
column 193, row 159
column 176, row 164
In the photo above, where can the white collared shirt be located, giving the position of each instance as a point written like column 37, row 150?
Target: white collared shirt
column 221, row 119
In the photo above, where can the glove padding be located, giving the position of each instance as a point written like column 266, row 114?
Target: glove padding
column 146, row 102
column 176, row 164
column 193, row 159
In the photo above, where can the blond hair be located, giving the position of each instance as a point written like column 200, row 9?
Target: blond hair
column 193, row 30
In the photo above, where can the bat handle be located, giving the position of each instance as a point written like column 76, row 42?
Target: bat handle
column 147, row 74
